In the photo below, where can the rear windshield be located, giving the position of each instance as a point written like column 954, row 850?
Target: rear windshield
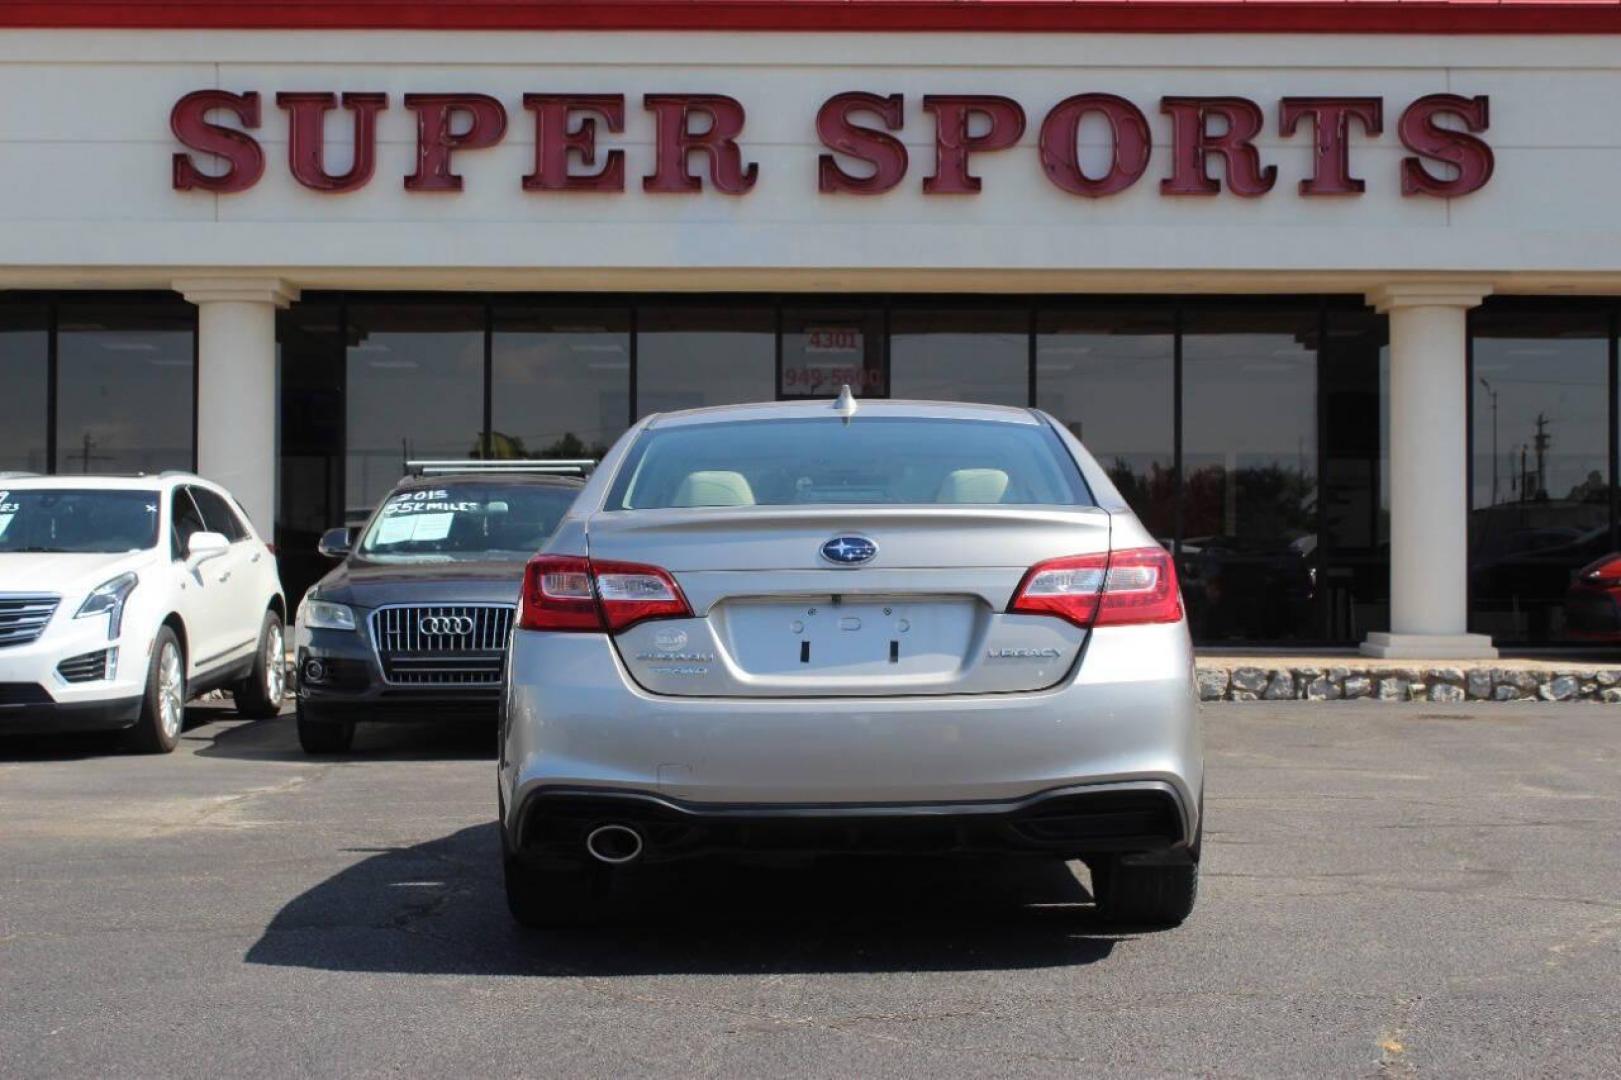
column 897, row 461
column 78, row 520
column 466, row 522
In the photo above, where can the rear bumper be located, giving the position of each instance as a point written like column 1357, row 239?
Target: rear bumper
column 552, row 825
column 574, row 721
column 69, row 717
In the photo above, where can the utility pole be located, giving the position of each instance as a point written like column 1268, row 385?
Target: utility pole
column 1542, row 441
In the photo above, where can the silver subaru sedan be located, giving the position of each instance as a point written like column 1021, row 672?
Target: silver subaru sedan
column 882, row 627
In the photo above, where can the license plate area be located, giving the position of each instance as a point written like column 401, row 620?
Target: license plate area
column 849, row 637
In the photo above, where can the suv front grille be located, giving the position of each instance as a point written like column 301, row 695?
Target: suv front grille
column 23, row 618
column 442, row 644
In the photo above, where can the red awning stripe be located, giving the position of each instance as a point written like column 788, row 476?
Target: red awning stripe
column 986, row 16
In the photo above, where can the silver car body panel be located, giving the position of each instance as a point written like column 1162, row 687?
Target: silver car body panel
column 709, row 711
column 575, row 718
column 771, row 618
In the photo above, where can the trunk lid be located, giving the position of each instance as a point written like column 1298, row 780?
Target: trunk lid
column 774, row 617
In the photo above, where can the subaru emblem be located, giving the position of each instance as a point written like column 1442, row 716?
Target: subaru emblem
column 849, row 550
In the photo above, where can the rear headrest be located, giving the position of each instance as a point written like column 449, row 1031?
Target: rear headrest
column 716, row 488
column 973, row 486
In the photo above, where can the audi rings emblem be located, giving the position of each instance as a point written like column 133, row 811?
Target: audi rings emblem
column 447, row 625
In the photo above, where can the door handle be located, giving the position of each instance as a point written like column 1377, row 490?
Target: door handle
column 225, row 576
column 255, row 557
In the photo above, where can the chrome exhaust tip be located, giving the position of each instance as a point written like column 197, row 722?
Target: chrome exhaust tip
column 615, row 845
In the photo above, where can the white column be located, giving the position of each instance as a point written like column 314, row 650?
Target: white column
column 1429, row 471
column 237, row 401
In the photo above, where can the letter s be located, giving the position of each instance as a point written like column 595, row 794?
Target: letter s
column 839, row 133
column 1421, row 134
column 244, row 159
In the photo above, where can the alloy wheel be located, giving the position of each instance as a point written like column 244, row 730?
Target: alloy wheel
column 275, row 665
column 171, row 691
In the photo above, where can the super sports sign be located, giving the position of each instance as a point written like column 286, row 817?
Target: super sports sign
column 700, row 140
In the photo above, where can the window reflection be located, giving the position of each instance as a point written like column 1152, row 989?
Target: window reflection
column 416, row 390
column 1541, row 490
column 1109, row 376
column 125, row 386
column 955, row 355
column 691, row 357
column 561, row 381
column 24, row 360
column 1249, row 403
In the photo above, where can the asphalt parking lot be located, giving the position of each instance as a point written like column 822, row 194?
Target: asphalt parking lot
column 1387, row 891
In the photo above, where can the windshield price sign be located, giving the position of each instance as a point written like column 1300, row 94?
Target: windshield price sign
column 436, row 501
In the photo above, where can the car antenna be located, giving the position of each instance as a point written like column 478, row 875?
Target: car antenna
column 845, row 406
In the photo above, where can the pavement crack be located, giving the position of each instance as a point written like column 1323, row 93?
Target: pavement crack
column 226, row 804
column 1590, row 937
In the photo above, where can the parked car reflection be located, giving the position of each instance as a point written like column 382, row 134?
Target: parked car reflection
column 1239, row 587
column 1593, row 601
column 1519, row 579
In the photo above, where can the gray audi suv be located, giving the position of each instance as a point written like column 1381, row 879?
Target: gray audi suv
column 855, row 627
column 412, row 623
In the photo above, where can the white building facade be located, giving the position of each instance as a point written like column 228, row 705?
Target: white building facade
column 1336, row 303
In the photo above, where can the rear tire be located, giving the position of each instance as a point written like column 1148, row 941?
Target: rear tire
column 324, row 736
column 163, row 706
column 551, row 898
column 259, row 696
column 1145, row 895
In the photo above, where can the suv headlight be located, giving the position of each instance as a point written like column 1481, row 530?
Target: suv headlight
column 325, row 615
column 108, row 599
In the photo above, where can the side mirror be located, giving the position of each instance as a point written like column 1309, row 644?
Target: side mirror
column 206, row 545
column 335, row 543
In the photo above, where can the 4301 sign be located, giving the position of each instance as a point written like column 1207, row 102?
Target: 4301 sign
column 826, row 358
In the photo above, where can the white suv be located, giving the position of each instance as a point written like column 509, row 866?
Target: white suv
column 121, row 598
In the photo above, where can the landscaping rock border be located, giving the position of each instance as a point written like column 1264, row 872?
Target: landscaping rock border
column 1450, row 685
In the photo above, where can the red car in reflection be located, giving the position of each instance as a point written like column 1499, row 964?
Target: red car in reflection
column 1593, row 601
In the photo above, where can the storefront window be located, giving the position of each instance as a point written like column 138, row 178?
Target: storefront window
column 1109, row 375
column 1541, row 488
column 1249, row 506
column 24, row 373
column 826, row 348
column 415, row 390
column 957, row 355
column 125, row 385
column 561, row 381
column 1353, row 556
column 687, row 357
column 310, row 352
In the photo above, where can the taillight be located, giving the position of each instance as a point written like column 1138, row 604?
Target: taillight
column 1606, row 572
column 1068, row 588
column 567, row 592
column 1116, row 589
column 557, row 595
column 631, row 593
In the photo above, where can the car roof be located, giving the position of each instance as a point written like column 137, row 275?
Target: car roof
column 419, row 483
column 824, row 408
column 103, row 482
